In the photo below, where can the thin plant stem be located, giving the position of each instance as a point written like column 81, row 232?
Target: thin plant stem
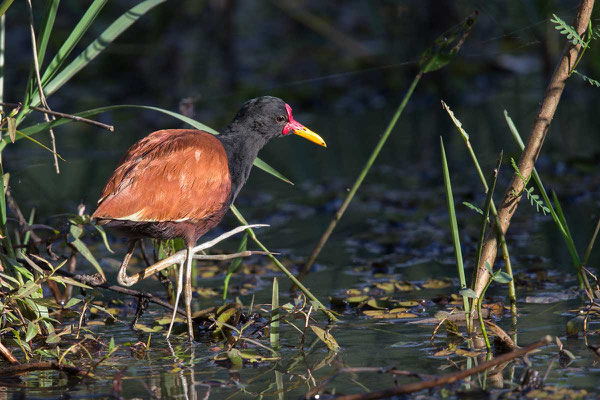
column 282, row 268
column 63, row 115
column 505, row 254
column 590, row 245
column 455, row 235
column 480, row 317
column 338, row 215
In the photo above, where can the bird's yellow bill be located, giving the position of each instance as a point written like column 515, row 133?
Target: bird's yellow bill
column 309, row 135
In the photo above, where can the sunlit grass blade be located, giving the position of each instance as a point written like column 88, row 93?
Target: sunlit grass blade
column 46, row 29
column 36, row 142
column 72, row 40
column 97, row 46
column 454, row 232
column 33, row 129
column 4, row 6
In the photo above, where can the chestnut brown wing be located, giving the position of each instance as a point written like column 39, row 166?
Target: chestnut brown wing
column 170, row 175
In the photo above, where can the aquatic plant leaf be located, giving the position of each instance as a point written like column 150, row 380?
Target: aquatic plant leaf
column 32, row 330
column 72, row 301
column 501, row 277
column 11, row 124
column 147, row 329
column 54, row 338
column 235, row 357
column 27, row 289
column 468, row 292
column 575, row 325
column 326, row 338
column 446, row 46
column 467, row 353
column 408, row 303
column 436, row 284
column 87, row 254
column 102, row 233
column 65, row 280
column 50, row 302
column 488, row 267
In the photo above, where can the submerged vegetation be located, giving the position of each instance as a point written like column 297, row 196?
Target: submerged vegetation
column 375, row 329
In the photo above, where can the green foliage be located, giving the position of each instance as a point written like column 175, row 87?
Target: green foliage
column 473, row 207
column 587, row 79
column 569, row 31
column 534, row 199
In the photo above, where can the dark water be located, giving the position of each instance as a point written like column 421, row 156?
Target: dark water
column 396, row 227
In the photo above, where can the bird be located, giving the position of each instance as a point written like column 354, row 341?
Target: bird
column 179, row 183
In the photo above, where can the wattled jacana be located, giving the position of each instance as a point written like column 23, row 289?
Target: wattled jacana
column 179, row 183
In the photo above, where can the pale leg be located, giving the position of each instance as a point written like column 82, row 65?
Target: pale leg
column 178, row 293
column 188, row 292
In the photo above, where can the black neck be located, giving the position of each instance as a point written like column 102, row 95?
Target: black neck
column 241, row 153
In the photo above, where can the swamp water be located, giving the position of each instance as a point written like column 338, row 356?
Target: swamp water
column 396, row 230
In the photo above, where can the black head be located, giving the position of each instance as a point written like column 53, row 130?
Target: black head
column 268, row 117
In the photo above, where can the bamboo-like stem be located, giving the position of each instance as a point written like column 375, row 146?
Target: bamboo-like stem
column 449, row 378
column 338, row 215
column 63, row 115
column 534, row 145
column 555, row 213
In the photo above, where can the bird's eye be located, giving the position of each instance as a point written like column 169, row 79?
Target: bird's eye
column 280, row 118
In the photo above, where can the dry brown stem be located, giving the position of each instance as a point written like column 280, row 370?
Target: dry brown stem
column 449, row 378
column 533, row 146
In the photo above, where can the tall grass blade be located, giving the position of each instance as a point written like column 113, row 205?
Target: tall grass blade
column 505, row 254
column 33, row 129
column 4, row 6
column 46, row 29
column 454, row 232
column 560, row 222
column 97, row 46
column 72, row 40
column 274, row 331
column 282, row 268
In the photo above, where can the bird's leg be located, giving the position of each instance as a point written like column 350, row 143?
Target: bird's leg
column 180, row 257
column 122, row 277
column 188, row 292
column 177, row 294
